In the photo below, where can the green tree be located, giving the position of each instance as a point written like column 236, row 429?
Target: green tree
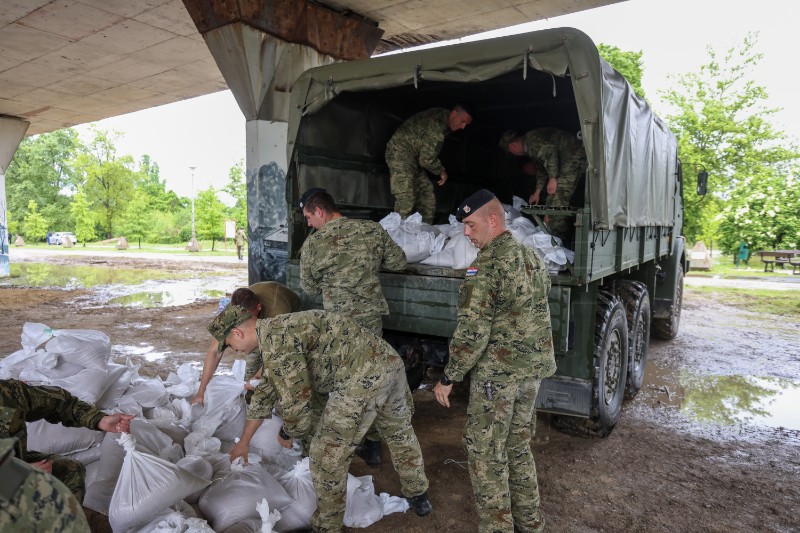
column 137, row 219
column 41, row 170
column 82, row 215
column 237, row 188
column 210, row 216
column 34, row 225
column 627, row 63
column 150, row 181
column 107, row 179
column 723, row 125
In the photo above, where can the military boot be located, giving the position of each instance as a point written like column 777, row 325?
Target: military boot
column 370, row 451
column 421, row 505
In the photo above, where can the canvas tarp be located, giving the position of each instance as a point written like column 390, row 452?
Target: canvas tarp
column 632, row 156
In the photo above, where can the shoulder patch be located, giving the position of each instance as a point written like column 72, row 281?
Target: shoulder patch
column 471, row 271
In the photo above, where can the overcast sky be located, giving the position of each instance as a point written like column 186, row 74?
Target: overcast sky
column 208, row 132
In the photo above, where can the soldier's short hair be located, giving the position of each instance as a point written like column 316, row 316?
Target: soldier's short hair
column 506, row 138
column 309, row 194
column 245, row 298
column 465, row 107
column 321, row 200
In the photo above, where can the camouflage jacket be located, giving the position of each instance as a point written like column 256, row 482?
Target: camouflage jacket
column 342, row 260
column 311, row 353
column 503, row 331
column 240, row 238
column 20, row 403
column 552, row 150
column 421, row 137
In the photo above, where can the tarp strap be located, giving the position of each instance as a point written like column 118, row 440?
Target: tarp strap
column 525, row 65
column 417, row 75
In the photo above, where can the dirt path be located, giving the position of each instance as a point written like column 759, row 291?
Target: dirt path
column 673, row 463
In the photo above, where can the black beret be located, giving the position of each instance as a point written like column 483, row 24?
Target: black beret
column 308, row 194
column 473, row 203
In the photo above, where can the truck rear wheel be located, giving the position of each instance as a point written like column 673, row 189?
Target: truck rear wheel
column 637, row 310
column 667, row 328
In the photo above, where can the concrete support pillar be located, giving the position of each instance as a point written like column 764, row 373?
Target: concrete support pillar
column 12, row 130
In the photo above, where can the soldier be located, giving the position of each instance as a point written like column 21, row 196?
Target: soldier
column 316, row 353
column 265, row 299
column 503, row 341
column 20, row 403
column 560, row 160
column 239, row 241
column 342, row 261
column 34, row 501
column 414, row 150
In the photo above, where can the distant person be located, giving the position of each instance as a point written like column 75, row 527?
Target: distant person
column 560, row 161
column 503, row 341
column 326, row 355
column 413, row 151
column 34, row 501
column 21, row 403
column 341, row 261
column 239, row 240
column 265, row 299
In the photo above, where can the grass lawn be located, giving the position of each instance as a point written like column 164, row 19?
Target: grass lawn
column 783, row 303
column 111, row 246
column 724, row 267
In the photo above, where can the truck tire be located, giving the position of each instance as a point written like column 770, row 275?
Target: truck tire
column 610, row 372
column 637, row 310
column 667, row 328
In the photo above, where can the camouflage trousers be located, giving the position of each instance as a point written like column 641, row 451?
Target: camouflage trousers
column 40, row 504
column 411, row 187
column 346, row 417
column 71, row 473
column 562, row 226
column 497, row 438
column 373, row 323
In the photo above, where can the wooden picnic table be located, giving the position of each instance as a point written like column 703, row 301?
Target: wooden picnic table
column 781, row 257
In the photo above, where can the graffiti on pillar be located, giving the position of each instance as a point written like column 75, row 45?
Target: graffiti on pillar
column 266, row 221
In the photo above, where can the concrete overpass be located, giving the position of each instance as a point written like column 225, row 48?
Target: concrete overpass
column 68, row 62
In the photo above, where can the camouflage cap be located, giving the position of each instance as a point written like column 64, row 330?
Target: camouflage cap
column 507, row 137
column 231, row 317
column 308, row 194
column 473, row 203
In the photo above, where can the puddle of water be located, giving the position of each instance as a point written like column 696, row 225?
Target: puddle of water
column 145, row 351
column 732, row 400
column 129, row 287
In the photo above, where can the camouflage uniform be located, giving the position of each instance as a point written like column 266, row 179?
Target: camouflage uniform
column 239, row 241
column 34, row 501
column 342, row 260
column 413, row 149
column 503, row 340
column 313, row 353
column 20, row 403
column 557, row 154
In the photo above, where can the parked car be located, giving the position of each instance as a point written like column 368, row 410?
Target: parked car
column 60, row 236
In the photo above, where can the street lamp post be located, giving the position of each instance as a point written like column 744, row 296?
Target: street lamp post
column 193, row 245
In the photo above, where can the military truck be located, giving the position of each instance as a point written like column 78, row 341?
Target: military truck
column 630, row 258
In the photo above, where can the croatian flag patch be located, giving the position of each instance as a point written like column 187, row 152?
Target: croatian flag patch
column 471, row 271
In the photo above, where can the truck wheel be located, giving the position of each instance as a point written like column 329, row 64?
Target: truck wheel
column 610, row 372
column 637, row 310
column 667, row 328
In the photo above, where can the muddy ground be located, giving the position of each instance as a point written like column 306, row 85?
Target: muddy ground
column 687, row 455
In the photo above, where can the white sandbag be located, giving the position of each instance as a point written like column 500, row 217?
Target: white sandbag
column 393, row 504
column 224, row 413
column 57, row 439
column 521, row 227
column 171, row 428
column 171, row 521
column 233, row 421
column 34, row 334
column 98, row 495
column 91, row 455
column 183, row 383
column 161, row 412
column 417, row 240
column 201, row 468
column 148, row 392
column 458, row 253
column 12, row 365
column 363, row 507
column 118, row 380
column 53, row 365
column 92, row 470
column 299, row 486
column 268, row 516
column 88, row 384
column 265, row 438
column 148, row 439
column 235, row 497
column 84, row 347
column 251, row 525
column 146, row 486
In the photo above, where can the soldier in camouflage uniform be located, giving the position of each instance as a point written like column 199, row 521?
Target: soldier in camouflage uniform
column 413, row 151
column 34, row 501
column 20, row 403
column 319, row 353
column 342, row 261
column 264, row 300
column 560, row 160
column 503, row 341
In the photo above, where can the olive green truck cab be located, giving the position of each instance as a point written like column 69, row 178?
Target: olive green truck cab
column 630, row 257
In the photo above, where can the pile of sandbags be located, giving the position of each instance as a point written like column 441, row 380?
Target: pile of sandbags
column 173, row 473
column 445, row 245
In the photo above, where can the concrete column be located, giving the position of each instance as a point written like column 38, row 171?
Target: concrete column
column 12, row 130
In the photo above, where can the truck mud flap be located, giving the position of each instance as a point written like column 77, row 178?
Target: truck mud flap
column 566, row 396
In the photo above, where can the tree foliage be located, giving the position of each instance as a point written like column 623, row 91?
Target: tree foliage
column 723, row 125
column 135, row 220
column 210, row 216
column 82, row 215
column 34, row 225
column 627, row 63
column 237, row 188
